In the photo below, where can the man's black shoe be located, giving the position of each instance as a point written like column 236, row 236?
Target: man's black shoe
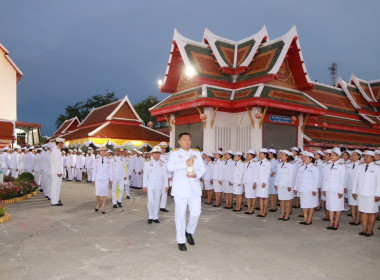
column 114, row 206
column 128, row 197
column 150, row 221
column 157, row 221
column 164, row 210
column 190, row 239
column 182, row 247
column 119, row 203
column 57, row 204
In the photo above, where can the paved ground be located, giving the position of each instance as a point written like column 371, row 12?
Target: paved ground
column 74, row 242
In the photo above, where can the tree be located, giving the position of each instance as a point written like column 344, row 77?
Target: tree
column 82, row 108
column 142, row 109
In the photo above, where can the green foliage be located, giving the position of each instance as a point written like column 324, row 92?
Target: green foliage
column 9, row 179
column 3, row 209
column 142, row 109
column 26, row 177
column 82, row 108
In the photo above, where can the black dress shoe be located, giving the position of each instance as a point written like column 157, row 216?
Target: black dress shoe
column 208, row 202
column 216, row 205
column 261, row 216
column 164, row 210
column 150, row 221
column 326, row 219
column 237, row 210
column 308, row 224
column 286, row 219
column 362, row 233
column 368, row 234
column 189, row 238
column 128, row 197
column 349, row 215
column 329, row 227
column 119, row 204
column 302, row 223
column 257, row 208
column 114, row 206
column 96, row 209
column 57, row 204
column 103, row 212
column 182, row 247
column 273, row 210
column 280, row 219
column 157, row 221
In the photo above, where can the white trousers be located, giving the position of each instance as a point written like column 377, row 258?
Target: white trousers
column 70, row 174
column 79, row 173
column 117, row 183
column 181, row 204
column 164, row 197
column 126, row 187
column 139, row 179
column 14, row 173
column 37, row 177
column 153, row 203
column 89, row 174
column 64, row 173
column 55, row 189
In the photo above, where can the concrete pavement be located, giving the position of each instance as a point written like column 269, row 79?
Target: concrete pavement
column 74, row 242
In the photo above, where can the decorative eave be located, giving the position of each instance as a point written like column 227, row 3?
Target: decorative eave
column 343, row 85
column 125, row 100
column 6, row 55
column 358, row 83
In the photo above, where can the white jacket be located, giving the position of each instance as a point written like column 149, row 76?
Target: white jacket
column 367, row 183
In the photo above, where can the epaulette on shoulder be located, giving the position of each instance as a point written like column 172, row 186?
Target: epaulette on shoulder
column 148, row 160
column 162, row 161
column 176, row 149
column 340, row 163
column 292, row 162
column 361, row 163
column 195, row 150
column 316, row 165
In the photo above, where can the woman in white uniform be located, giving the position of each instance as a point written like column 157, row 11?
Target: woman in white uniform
column 320, row 163
column 102, row 178
column 207, row 178
column 262, row 181
column 272, row 178
column 324, row 171
column 298, row 161
column 237, row 181
column 333, row 188
column 351, row 168
column 248, row 180
column 307, row 186
column 217, row 178
column 228, row 167
column 366, row 189
column 284, row 184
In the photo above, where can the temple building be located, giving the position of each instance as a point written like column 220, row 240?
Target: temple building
column 257, row 93
column 115, row 124
column 13, row 131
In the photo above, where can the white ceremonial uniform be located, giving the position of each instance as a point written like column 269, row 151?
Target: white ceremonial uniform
column 21, row 163
column 56, row 168
column 79, row 167
column 187, row 191
column 49, row 178
column 227, row 172
column 273, row 164
column 70, row 161
column 208, row 176
column 237, row 177
column 263, row 173
column 155, row 178
column 102, row 175
column 250, row 170
column 139, row 168
column 89, row 164
column 64, row 160
column 284, row 180
column 4, row 158
column 351, row 169
column 132, row 166
column 217, row 173
column 42, row 169
column 13, row 164
column 367, row 185
column 119, row 177
column 37, row 171
column 164, row 194
column 29, row 162
column 333, row 184
column 306, row 183
column 128, row 173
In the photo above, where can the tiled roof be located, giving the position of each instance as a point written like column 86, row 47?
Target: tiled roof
column 6, row 129
column 67, row 126
column 98, row 115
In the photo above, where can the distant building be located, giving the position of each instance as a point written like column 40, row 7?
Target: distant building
column 115, row 124
column 257, row 93
column 12, row 131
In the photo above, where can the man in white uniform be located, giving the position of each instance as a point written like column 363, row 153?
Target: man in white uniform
column 4, row 158
column 79, row 165
column 70, row 161
column 21, row 160
column 89, row 163
column 155, row 178
column 56, row 170
column 132, row 164
column 127, row 169
column 164, row 194
column 119, row 177
column 29, row 160
column 188, row 168
column 36, row 166
column 139, row 167
column 64, row 158
column 13, row 162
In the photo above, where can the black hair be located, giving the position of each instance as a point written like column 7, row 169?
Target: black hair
column 212, row 158
column 313, row 160
column 274, row 155
column 220, row 149
column 232, row 156
column 266, row 155
column 183, row 134
column 197, row 148
column 289, row 158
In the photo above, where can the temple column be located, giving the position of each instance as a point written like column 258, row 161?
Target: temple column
column 257, row 131
column 172, row 132
column 300, row 132
column 208, row 132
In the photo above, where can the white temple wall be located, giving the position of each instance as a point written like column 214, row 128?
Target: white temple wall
column 8, row 90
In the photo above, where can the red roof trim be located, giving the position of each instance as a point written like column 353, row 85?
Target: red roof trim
column 369, row 113
column 27, row 124
column 342, row 127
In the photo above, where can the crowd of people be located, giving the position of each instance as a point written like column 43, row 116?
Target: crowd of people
column 331, row 180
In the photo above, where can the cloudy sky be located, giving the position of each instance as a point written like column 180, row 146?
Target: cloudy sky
column 71, row 50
